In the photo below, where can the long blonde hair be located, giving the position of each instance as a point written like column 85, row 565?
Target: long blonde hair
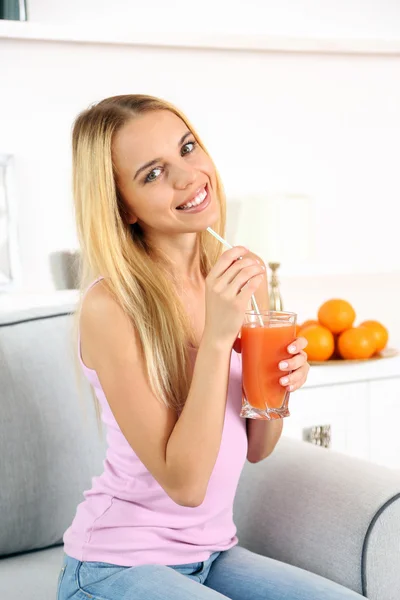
column 119, row 252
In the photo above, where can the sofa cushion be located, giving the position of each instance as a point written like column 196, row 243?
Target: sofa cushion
column 50, row 444
column 31, row 576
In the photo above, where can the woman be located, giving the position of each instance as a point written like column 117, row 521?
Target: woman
column 157, row 326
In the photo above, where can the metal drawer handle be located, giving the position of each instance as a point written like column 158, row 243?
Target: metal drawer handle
column 320, row 435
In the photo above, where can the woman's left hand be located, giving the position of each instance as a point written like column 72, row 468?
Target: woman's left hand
column 298, row 366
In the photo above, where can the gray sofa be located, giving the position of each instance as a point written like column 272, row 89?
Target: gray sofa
column 322, row 511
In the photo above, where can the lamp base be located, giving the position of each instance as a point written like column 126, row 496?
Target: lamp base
column 275, row 298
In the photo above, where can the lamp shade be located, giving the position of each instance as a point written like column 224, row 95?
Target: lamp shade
column 277, row 227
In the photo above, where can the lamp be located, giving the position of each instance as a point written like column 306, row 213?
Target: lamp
column 277, row 227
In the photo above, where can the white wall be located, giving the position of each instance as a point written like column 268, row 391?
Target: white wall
column 317, row 18
column 324, row 125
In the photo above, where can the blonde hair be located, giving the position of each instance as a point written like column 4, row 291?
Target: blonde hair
column 120, row 253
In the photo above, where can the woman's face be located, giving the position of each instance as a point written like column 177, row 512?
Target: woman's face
column 166, row 180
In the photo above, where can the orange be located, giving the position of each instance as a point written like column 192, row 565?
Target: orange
column 357, row 342
column 337, row 315
column 320, row 342
column 336, row 355
column 309, row 322
column 380, row 332
column 298, row 327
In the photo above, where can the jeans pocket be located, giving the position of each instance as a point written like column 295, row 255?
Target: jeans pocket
column 90, row 575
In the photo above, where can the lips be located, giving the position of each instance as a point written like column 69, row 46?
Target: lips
column 196, row 200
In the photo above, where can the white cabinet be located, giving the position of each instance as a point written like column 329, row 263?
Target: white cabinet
column 384, row 418
column 341, row 407
column 359, row 404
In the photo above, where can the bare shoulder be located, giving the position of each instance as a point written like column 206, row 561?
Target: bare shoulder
column 103, row 325
column 99, row 303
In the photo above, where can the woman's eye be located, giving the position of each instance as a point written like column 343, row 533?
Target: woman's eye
column 152, row 176
column 188, row 148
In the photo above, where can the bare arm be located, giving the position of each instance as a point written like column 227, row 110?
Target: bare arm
column 180, row 453
column 262, row 435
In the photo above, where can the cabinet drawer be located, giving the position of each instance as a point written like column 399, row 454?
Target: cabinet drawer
column 343, row 407
column 384, row 416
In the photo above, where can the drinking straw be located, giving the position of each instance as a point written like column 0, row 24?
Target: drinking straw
column 253, row 299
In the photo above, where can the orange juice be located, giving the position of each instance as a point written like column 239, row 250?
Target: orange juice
column 263, row 347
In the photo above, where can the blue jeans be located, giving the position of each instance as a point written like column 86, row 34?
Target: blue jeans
column 236, row 574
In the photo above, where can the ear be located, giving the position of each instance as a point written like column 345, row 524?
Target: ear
column 127, row 215
column 131, row 219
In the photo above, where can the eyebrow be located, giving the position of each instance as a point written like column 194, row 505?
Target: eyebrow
column 157, row 160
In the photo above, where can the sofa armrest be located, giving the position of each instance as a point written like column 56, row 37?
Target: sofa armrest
column 325, row 512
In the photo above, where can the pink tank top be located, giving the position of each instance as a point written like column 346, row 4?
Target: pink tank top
column 127, row 518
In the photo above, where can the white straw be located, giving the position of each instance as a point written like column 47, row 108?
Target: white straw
column 225, row 243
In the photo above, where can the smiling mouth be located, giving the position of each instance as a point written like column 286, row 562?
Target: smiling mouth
column 198, row 200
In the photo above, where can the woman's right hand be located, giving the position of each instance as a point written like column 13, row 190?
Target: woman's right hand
column 229, row 286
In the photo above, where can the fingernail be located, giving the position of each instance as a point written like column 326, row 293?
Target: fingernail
column 292, row 349
column 284, row 380
column 283, row 365
column 290, row 388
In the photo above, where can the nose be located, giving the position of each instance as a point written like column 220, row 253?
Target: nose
column 184, row 176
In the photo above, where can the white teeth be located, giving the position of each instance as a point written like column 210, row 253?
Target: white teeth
column 201, row 196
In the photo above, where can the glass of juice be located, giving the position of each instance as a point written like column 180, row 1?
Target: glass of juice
column 265, row 339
